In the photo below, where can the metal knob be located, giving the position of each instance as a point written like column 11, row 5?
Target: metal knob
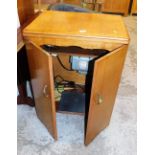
column 99, row 99
column 45, row 91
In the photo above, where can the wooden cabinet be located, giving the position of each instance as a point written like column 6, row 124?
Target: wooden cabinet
column 25, row 10
column 111, row 6
column 134, row 7
column 103, row 38
column 26, row 15
column 116, row 6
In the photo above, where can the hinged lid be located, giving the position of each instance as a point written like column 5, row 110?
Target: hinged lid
column 73, row 24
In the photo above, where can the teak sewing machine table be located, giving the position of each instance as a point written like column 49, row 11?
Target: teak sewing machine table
column 102, row 37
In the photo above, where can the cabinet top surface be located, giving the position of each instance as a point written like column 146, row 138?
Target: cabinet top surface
column 75, row 24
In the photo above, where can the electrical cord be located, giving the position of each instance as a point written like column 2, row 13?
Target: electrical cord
column 64, row 83
column 60, row 89
column 50, row 48
column 59, row 83
column 63, row 64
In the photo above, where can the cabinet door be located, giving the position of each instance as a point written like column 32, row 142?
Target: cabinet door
column 41, row 72
column 105, row 81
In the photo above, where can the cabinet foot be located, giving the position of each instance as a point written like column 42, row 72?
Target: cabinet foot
column 25, row 100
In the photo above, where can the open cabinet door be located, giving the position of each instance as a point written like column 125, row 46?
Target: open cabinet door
column 41, row 72
column 105, row 81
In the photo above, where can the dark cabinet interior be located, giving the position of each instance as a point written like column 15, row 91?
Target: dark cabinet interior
column 72, row 87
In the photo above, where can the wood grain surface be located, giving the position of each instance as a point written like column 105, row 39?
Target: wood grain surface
column 41, row 71
column 106, row 78
column 63, row 24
